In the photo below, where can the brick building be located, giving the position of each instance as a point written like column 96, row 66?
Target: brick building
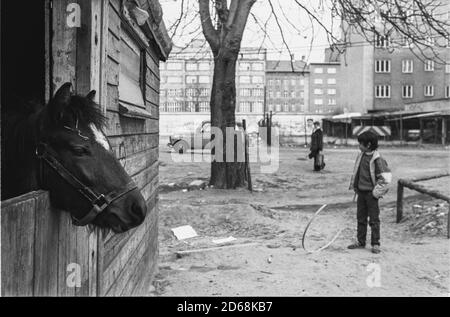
column 287, row 86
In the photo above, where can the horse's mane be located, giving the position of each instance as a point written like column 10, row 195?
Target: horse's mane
column 83, row 110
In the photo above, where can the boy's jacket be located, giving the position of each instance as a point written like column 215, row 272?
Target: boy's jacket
column 381, row 180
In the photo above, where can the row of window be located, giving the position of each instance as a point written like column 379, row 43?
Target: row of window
column 319, row 81
column 319, row 91
column 384, row 91
column 193, row 66
column 189, row 92
column 285, row 82
column 286, row 94
column 285, row 108
column 319, row 101
column 247, row 106
column 320, row 70
column 189, row 79
column 386, row 41
column 189, row 106
column 251, row 79
column 384, row 66
column 248, row 92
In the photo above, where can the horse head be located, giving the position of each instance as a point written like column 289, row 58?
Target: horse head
column 79, row 169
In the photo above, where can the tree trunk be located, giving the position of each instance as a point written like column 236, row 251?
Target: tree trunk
column 223, row 105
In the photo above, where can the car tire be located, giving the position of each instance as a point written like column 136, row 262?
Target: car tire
column 181, row 147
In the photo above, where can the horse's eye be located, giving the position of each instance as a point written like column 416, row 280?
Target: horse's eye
column 80, row 151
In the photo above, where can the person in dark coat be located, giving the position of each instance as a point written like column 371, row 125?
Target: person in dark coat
column 317, row 147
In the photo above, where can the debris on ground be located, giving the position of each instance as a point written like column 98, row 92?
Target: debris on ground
column 224, row 240
column 429, row 220
column 197, row 184
column 184, row 232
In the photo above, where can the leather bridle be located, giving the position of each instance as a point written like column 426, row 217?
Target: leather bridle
column 98, row 201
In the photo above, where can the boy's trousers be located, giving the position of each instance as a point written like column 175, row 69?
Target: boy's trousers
column 367, row 207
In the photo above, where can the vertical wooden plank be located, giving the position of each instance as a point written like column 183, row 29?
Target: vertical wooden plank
column 103, row 93
column 47, row 12
column 64, row 46
column 66, row 250
column 46, row 250
column 17, row 246
column 399, row 201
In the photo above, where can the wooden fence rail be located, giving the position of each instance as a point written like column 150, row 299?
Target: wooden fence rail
column 411, row 184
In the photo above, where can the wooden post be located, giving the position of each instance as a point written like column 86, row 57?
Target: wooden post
column 247, row 161
column 401, row 129
column 448, row 222
column 399, row 201
column 444, row 131
column 421, row 131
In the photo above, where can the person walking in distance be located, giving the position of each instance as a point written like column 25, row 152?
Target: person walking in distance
column 317, row 147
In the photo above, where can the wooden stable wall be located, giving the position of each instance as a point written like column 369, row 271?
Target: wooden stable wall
column 129, row 258
column 38, row 243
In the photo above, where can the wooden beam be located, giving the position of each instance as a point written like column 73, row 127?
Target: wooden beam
column 399, row 202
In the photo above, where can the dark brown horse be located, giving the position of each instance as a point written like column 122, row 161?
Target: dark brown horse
column 61, row 148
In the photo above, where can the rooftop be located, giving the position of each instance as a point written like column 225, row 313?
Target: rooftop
column 286, row 66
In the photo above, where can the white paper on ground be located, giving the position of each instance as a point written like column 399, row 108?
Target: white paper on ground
column 224, row 240
column 184, row 232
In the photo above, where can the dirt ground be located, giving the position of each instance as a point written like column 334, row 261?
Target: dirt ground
column 267, row 258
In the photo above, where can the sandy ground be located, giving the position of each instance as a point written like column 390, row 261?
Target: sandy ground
column 269, row 224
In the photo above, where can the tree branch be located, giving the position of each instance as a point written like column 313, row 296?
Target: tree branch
column 211, row 34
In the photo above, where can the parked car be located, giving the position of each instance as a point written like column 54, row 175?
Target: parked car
column 199, row 139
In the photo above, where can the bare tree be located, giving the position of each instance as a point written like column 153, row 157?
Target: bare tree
column 223, row 24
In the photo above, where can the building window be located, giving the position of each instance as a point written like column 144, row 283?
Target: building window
column 285, row 94
column 270, row 82
column 318, row 91
column 407, row 66
column 191, row 66
column 293, row 94
column 278, row 94
column 174, row 80
column 257, row 66
column 278, row 82
column 293, row 82
column 332, row 102
column 174, row 66
column 428, row 91
column 331, row 91
column 447, row 67
column 244, row 79
column 331, row 81
column 293, row 108
column 407, row 91
column 429, row 65
column 278, row 108
column 318, row 102
column 258, row 92
column 331, row 70
column 257, row 80
column 405, row 42
column 286, row 107
column 383, row 66
column 447, row 92
column 382, row 41
column 318, row 81
column 203, row 66
column 204, row 106
column 203, row 79
column 318, row 70
column 270, row 93
column 302, row 82
column 244, row 106
column 302, row 94
column 244, row 66
column 245, row 92
column 257, row 107
column 191, row 79
column 382, row 91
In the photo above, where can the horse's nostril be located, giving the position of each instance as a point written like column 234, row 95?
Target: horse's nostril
column 139, row 209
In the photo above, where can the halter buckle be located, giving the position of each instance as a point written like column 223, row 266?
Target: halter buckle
column 101, row 203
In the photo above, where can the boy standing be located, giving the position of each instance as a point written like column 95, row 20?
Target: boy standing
column 370, row 180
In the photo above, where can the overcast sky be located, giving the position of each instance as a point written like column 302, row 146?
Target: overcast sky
column 298, row 32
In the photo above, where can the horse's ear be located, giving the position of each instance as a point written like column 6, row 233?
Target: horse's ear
column 63, row 94
column 91, row 95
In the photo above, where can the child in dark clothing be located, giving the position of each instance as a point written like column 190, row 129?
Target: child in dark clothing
column 370, row 180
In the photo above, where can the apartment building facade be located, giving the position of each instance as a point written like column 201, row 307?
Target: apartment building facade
column 324, row 95
column 389, row 73
column 287, row 87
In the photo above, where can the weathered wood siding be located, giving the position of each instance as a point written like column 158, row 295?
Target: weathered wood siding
column 38, row 247
column 129, row 258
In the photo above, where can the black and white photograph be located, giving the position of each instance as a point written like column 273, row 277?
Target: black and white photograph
column 228, row 151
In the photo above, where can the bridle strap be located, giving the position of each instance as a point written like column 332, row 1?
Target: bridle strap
column 99, row 202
